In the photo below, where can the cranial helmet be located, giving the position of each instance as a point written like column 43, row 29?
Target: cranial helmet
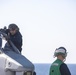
column 60, row 51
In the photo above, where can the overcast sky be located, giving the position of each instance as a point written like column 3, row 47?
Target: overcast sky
column 45, row 26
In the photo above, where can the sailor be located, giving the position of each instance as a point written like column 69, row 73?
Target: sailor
column 14, row 36
column 58, row 67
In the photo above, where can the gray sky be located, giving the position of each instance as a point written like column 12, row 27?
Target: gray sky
column 45, row 26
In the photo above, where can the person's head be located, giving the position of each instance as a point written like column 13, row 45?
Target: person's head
column 13, row 28
column 61, row 53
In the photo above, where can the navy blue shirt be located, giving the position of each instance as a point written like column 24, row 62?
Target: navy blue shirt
column 64, row 69
column 17, row 40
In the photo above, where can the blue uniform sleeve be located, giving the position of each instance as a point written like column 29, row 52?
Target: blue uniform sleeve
column 17, row 40
column 64, row 69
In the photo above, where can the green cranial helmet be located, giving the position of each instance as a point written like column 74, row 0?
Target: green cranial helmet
column 60, row 51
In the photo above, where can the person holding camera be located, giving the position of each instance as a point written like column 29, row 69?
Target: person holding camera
column 14, row 36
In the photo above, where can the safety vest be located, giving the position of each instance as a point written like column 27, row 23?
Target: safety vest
column 54, row 69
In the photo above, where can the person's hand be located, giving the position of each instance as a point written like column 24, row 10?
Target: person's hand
column 4, row 36
column 2, row 30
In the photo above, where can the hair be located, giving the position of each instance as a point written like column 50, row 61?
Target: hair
column 13, row 27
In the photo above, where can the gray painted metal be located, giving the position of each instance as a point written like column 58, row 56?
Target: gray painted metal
column 12, row 62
